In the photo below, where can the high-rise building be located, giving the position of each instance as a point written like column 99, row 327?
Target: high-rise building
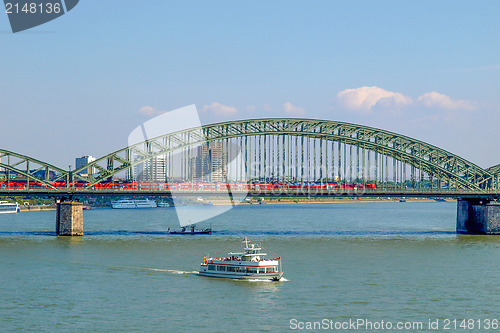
column 151, row 170
column 154, row 170
column 81, row 161
column 210, row 163
column 206, row 163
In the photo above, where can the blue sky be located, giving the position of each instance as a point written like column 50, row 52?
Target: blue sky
column 79, row 84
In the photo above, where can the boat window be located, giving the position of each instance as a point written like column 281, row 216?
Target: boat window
column 221, row 268
column 211, row 267
column 252, row 270
column 231, row 269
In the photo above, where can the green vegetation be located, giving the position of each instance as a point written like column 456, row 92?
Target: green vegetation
column 29, row 201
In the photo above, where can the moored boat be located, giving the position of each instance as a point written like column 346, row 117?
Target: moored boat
column 137, row 203
column 9, row 207
column 250, row 264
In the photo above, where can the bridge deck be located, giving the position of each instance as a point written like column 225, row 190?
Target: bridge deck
column 416, row 193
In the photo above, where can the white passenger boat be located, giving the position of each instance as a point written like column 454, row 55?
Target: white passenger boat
column 136, row 203
column 8, row 207
column 249, row 265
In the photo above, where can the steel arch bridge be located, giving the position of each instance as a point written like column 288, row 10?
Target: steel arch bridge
column 277, row 149
column 29, row 168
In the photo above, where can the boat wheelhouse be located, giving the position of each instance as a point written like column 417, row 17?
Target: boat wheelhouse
column 250, row 264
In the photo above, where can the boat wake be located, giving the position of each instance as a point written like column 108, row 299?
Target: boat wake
column 173, row 271
column 148, row 269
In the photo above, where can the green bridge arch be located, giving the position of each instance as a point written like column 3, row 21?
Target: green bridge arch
column 426, row 157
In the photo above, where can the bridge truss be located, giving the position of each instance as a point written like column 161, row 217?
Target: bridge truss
column 15, row 166
column 275, row 150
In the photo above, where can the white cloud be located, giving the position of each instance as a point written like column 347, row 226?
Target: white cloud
column 251, row 108
column 480, row 69
column 150, row 111
column 268, row 108
column 365, row 98
column 220, row 109
column 293, row 110
column 489, row 68
column 435, row 99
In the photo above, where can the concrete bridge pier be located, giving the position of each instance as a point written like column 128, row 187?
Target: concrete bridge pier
column 69, row 218
column 478, row 216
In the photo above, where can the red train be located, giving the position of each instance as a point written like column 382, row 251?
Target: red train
column 237, row 186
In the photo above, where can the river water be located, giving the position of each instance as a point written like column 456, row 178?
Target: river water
column 385, row 263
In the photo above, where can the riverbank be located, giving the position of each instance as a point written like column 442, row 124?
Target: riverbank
column 37, row 208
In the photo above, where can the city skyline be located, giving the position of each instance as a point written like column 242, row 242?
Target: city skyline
column 71, row 88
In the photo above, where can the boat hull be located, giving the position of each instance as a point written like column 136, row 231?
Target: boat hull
column 200, row 232
column 133, row 204
column 276, row 276
column 9, row 212
column 9, row 208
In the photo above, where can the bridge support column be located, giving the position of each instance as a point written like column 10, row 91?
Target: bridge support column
column 69, row 218
column 478, row 217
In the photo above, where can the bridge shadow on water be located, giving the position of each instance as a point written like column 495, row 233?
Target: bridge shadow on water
column 241, row 233
column 333, row 233
column 28, row 233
